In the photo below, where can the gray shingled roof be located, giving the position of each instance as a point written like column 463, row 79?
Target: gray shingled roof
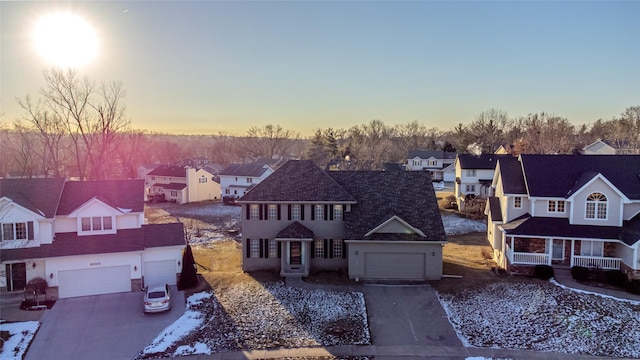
column 295, row 231
column 512, row 177
column 38, row 195
column 157, row 235
column 495, row 208
column 483, row 161
column 253, row 170
column 425, row 154
column 169, row 170
column 124, row 194
column 298, row 180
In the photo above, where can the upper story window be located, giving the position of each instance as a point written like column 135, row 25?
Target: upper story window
column 202, row 180
column 337, row 212
column 249, row 180
column 153, row 178
column 517, row 202
column 556, row 206
column 254, row 211
column 273, row 212
column 417, row 162
column 319, row 210
column 596, row 206
column 17, row 231
column 319, row 248
column 470, row 188
column 471, row 172
column 433, row 162
column 337, row 248
column 96, row 223
column 295, row 212
column 174, row 193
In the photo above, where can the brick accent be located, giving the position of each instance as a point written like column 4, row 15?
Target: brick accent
column 631, row 274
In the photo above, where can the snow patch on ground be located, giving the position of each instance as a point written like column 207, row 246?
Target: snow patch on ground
column 456, row 225
column 21, row 334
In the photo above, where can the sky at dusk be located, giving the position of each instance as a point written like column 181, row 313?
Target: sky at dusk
column 211, row 66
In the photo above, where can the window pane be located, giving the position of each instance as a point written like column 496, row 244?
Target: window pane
column 560, row 206
column 106, row 223
column 319, row 212
column 591, row 210
column 319, row 248
column 254, row 211
column 273, row 249
column 21, row 231
column 602, row 211
column 255, row 248
column 337, row 212
column 86, row 224
column 295, row 212
column 585, row 248
column 7, row 232
column 97, row 223
column 552, row 206
column 273, row 212
column 337, row 248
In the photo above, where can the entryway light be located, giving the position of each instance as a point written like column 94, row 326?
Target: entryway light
column 51, row 276
column 33, row 265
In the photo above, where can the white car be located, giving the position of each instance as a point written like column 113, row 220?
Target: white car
column 157, row 298
column 438, row 185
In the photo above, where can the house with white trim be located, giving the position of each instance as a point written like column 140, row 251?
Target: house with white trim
column 182, row 184
column 438, row 163
column 474, row 175
column 565, row 211
column 83, row 237
column 237, row 179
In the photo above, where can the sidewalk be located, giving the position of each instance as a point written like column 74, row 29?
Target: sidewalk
column 563, row 277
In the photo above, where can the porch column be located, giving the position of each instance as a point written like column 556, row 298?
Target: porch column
column 572, row 252
column 550, row 251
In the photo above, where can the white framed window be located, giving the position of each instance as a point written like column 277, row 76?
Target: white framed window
column 153, row 178
column 202, row 180
column 319, row 248
column 417, row 162
column 337, row 248
column 96, row 223
column 337, row 212
column 174, row 193
column 272, row 211
column 471, row 172
column 249, row 180
column 295, row 212
column 17, row 231
column 319, row 210
column 273, row 248
column 227, row 191
column 433, row 163
column 470, row 188
column 254, row 211
column 517, row 202
column 8, row 232
column 591, row 248
column 255, row 248
column 596, row 207
column 556, row 206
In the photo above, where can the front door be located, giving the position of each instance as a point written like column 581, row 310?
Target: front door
column 295, row 253
column 16, row 276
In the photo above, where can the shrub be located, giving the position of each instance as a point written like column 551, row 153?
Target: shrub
column 544, row 272
column 634, row 286
column 616, row 278
column 580, row 273
column 38, row 285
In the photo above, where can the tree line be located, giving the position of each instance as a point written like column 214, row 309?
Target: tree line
column 77, row 128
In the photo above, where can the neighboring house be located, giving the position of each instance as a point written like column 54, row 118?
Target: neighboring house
column 236, row 179
column 181, row 184
column 565, row 211
column 438, row 163
column 474, row 174
column 83, row 237
column 602, row 147
column 197, row 162
column 303, row 219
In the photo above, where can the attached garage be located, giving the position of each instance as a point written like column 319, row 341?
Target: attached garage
column 159, row 272
column 94, row 281
column 394, row 266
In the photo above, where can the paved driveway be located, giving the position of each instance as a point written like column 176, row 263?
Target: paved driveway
column 108, row 327
column 407, row 315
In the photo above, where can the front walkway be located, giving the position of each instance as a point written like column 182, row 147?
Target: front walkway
column 563, row 277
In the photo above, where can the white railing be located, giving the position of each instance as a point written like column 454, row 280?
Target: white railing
column 530, row 258
column 608, row 263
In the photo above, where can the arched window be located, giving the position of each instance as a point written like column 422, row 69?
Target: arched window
column 596, row 206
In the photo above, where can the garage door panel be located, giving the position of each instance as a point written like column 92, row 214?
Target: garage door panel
column 95, row 281
column 394, row 265
column 160, row 272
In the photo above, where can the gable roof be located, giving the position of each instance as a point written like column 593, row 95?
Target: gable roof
column 38, row 195
column 511, row 175
column 495, row 209
column 123, row 194
column 169, row 170
column 425, row 154
column 558, row 175
column 295, row 231
column 298, row 180
column 560, row 227
column 482, row 161
column 253, row 170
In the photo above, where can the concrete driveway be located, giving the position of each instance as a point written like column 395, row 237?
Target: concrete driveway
column 407, row 315
column 108, row 327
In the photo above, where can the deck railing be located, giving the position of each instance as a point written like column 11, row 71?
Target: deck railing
column 608, row 263
column 530, row 258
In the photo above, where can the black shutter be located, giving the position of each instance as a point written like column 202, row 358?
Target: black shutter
column 301, row 211
column 248, row 250
column 331, row 212
column 313, row 212
column 279, row 249
column 324, row 248
column 30, row 235
column 266, row 248
column 279, row 212
column 344, row 249
column 266, row 212
column 262, row 248
column 313, row 248
column 260, row 209
column 248, row 211
column 326, row 212
column 330, row 248
column 289, row 212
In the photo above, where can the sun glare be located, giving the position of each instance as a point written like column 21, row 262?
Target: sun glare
column 65, row 40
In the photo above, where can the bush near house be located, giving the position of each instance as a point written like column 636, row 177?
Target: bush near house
column 616, row 278
column 474, row 208
column 38, row 285
column 544, row 272
column 634, row 286
column 580, row 273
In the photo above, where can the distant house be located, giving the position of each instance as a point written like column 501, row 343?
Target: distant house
column 197, row 162
column 565, row 211
column 438, row 163
column 83, row 237
column 236, row 179
column 474, row 175
column 181, row 184
column 603, row 147
column 303, row 219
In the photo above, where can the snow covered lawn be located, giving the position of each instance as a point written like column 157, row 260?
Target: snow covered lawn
column 20, row 336
column 545, row 316
column 252, row 316
column 457, row 225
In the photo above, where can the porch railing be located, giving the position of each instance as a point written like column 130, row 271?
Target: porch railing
column 607, row 263
column 530, row 258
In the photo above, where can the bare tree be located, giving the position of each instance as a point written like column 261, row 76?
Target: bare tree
column 489, row 128
column 268, row 142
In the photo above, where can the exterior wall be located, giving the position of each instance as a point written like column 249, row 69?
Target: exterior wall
column 197, row 191
column 614, row 205
column 630, row 211
column 627, row 255
column 54, row 265
column 540, row 207
column 510, row 212
column 254, row 228
column 631, row 273
column 17, row 214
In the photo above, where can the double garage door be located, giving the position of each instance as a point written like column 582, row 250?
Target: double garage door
column 95, row 281
column 406, row 266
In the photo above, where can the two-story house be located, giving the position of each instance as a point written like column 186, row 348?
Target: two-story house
column 236, row 179
column 601, row 147
column 83, row 237
column 438, row 163
column 474, row 174
column 565, row 211
column 302, row 219
column 181, row 184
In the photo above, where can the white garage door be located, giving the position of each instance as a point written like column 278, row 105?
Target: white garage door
column 394, row 266
column 104, row 280
column 160, row 272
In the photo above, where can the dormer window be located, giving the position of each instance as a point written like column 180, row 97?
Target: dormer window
column 596, row 206
column 417, row 162
column 17, row 231
column 96, row 223
column 517, row 202
column 433, row 162
column 556, row 206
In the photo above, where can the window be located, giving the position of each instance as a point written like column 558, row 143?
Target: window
column 556, row 206
column 174, row 194
column 106, row 223
column 319, row 210
column 273, row 248
column 202, row 180
column 273, row 212
column 417, row 162
column 596, row 206
column 433, row 162
column 471, row 172
column 96, row 223
column 337, row 212
column 591, row 248
column 227, row 191
column 255, row 248
column 337, row 248
column 517, row 202
column 7, row 232
column 319, row 248
column 470, row 188
column 295, row 212
column 86, row 224
column 249, row 180
column 254, row 211
column 17, row 231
